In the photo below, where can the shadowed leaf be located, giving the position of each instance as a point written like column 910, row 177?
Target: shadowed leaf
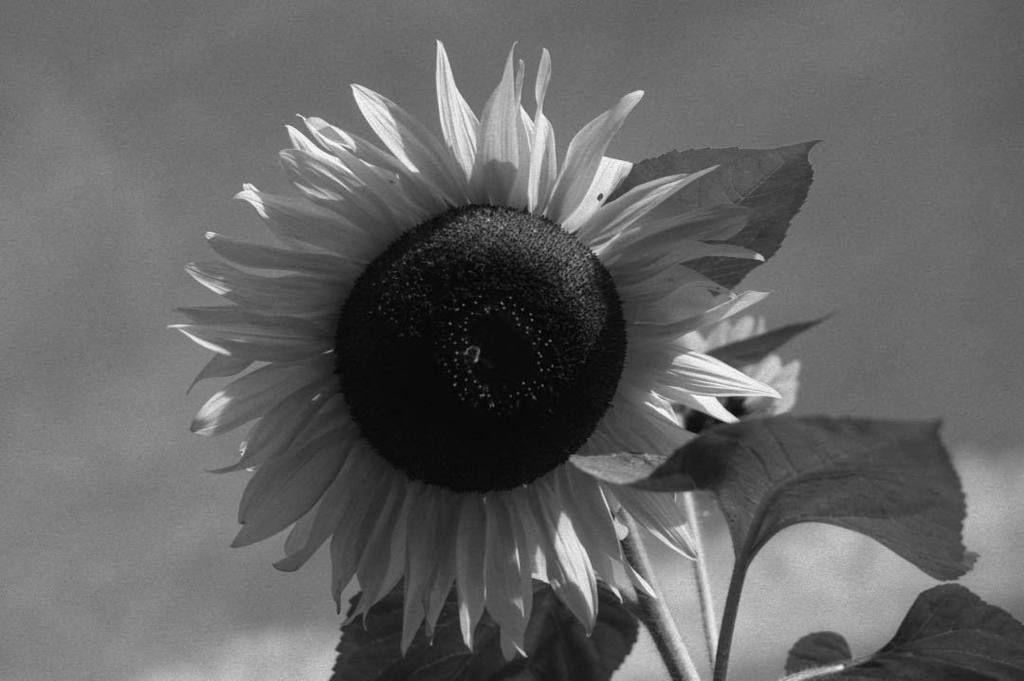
column 949, row 634
column 771, row 183
column 890, row 480
column 558, row 648
column 754, row 349
column 817, row 650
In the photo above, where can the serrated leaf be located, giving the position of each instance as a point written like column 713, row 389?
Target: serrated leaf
column 754, row 349
column 949, row 633
column 558, row 647
column 890, row 480
column 771, row 183
column 817, row 650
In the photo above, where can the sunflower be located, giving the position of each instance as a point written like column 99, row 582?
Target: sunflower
column 445, row 326
column 770, row 370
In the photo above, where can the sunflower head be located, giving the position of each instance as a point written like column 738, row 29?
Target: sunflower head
column 446, row 325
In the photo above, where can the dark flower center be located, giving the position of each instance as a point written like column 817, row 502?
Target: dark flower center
column 481, row 349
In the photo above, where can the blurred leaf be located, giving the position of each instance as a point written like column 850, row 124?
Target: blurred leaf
column 754, row 349
column 949, row 634
column 817, row 650
column 890, row 480
column 626, row 468
column 558, row 648
column 771, row 183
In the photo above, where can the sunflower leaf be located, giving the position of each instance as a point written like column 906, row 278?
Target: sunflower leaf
column 817, row 650
column 890, row 480
column 948, row 634
column 771, row 183
column 754, row 349
column 558, row 647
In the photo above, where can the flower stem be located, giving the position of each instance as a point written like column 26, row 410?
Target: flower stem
column 700, row 570
column 732, row 604
column 654, row 613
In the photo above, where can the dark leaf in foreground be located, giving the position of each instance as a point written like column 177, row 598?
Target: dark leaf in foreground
column 949, row 635
column 890, row 480
column 557, row 645
column 754, row 349
column 817, row 650
column 771, row 183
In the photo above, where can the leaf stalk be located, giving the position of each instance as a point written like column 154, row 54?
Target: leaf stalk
column 654, row 613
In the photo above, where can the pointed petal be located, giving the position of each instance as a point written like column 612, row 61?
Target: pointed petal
column 357, row 487
column 289, row 294
column 411, row 143
column 543, row 161
column 497, row 159
column 459, row 124
column 280, row 494
column 267, row 339
column 299, row 222
column 503, row 570
column 220, row 366
column 469, row 568
column 278, row 428
column 570, row 572
column 583, row 158
column 610, row 173
column 614, row 225
column 249, row 397
column 383, row 560
column 701, row 374
column 660, row 515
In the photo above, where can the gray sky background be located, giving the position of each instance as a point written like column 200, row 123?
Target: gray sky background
column 127, row 126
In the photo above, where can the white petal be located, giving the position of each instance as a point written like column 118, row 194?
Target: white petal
column 543, row 163
column 284, row 422
column 220, row 366
column 267, row 339
column 660, row 515
column 298, row 222
column 459, row 124
column 383, row 560
column 279, row 494
column 469, row 567
column 609, row 174
column 412, row 144
column 615, row 225
column 445, row 541
column 570, row 572
column 701, row 374
column 497, row 158
column 249, row 397
column 258, row 256
column 583, row 158
column 592, row 519
column 289, row 294
column 420, row 557
column 355, row 517
column 503, row 571
column 418, row 190
column 711, row 406
column 356, row 489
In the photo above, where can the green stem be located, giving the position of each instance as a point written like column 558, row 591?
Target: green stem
column 654, row 613
column 732, row 604
column 700, row 571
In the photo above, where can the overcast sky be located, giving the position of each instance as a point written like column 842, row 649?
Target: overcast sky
column 127, row 126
